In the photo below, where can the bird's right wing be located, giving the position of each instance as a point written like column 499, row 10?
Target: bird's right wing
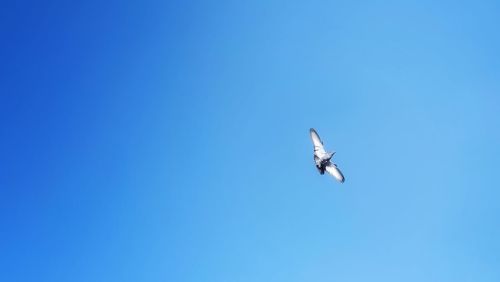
column 335, row 172
column 319, row 150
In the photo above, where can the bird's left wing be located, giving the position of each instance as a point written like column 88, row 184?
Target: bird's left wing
column 319, row 150
column 335, row 172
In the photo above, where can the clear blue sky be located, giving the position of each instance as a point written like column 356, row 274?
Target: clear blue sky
column 169, row 141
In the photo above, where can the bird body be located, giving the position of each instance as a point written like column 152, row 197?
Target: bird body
column 323, row 159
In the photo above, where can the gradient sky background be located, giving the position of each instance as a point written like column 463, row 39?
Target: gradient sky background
column 169, row 141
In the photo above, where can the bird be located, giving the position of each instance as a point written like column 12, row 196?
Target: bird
column 323, row 159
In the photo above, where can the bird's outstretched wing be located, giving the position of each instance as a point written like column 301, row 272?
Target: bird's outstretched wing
column 335, row 172
column 319, row 150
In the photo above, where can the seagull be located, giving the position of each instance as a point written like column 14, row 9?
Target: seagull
column 323, row 158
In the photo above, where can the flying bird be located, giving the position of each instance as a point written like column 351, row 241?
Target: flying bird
column 323, row 158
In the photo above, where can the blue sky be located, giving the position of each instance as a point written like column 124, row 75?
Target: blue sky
column 168, row 141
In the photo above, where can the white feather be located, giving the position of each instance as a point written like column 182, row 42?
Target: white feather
column 335, row 172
